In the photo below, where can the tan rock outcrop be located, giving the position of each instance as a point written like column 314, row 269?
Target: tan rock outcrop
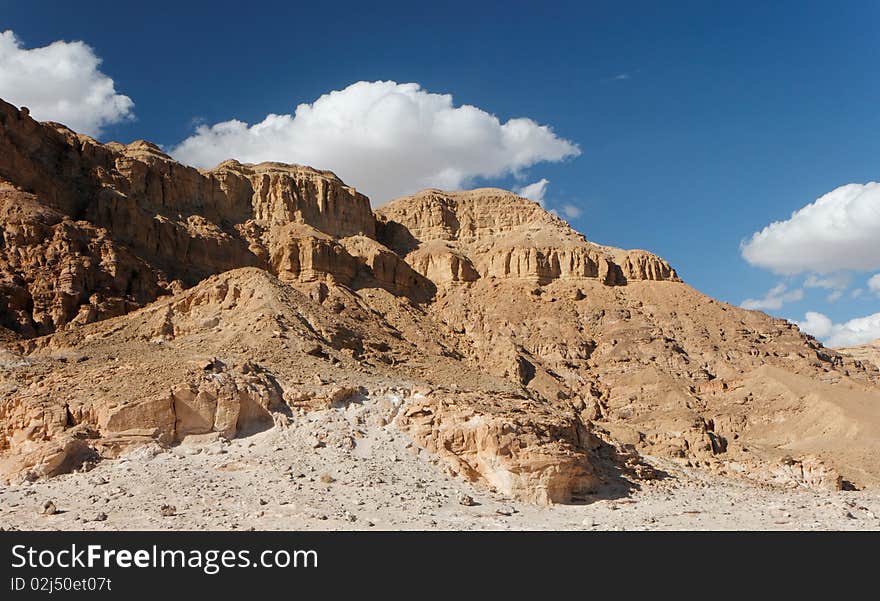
column 467, row 216
column 54, row 270
column 869, row 353
column 230, row 402
column 531, row 454
column 642, row 265
column 503, row 236
column 388, row 268
column 441, row 263
column 60, row 455
column 543, row 265
column 807, row 472
column 301, row 253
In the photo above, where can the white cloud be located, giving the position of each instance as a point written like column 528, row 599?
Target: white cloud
column 837, row 283
column 853, row 332
column 832, row 282
column 385, row 138
column 874, row 283
column 534, row 191
column 571, row 211
column 815, row 324
column 774, row 299
column 857, row 292
column 840, row 230
column 60, row 82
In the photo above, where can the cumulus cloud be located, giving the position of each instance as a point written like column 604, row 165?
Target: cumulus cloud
column 571, row 211
column 61, row 82
column 839, row 231
column 774, row 299
column 534, row 191
column 837, row 283
column 815, row 324
column 832, row 282
column 874, row 283
column 853, row 332
column 834, row 296
column 385, row 138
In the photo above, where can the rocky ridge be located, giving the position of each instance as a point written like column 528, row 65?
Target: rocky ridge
column 869, row 353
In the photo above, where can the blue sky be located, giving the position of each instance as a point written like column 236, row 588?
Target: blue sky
column 698, row 123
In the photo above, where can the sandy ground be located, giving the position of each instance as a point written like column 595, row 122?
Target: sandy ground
column 331, row 470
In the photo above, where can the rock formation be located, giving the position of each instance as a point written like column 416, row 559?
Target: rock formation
column 491, row 233
column 868, row 353
column 143, row 301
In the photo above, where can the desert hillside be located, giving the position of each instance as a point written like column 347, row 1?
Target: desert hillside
column 145, row 304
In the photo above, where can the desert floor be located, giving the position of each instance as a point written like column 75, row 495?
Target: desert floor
column 287, row 479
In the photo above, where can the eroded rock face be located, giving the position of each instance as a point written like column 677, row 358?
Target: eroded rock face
column 302, row 254
column 869, row 353
column 642, row 265
column 388, row 268
column 468, row 216
column 55, row 271
column 118, row 226
column 532, row 454
column 453, row 237
column 442, row 263
column 227, row 401
column 60, row 455
column 42, row 439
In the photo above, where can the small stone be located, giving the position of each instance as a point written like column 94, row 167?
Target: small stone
column 466, row 500
column 101, row 517
column 167, row 510
column 49, row 508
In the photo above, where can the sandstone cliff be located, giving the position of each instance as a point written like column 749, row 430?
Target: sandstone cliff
column 181, row 224
column 490, row 233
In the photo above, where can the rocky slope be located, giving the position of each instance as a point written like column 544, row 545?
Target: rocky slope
column 143, row 302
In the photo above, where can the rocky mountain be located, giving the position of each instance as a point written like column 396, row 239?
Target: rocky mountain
column 143, row 301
